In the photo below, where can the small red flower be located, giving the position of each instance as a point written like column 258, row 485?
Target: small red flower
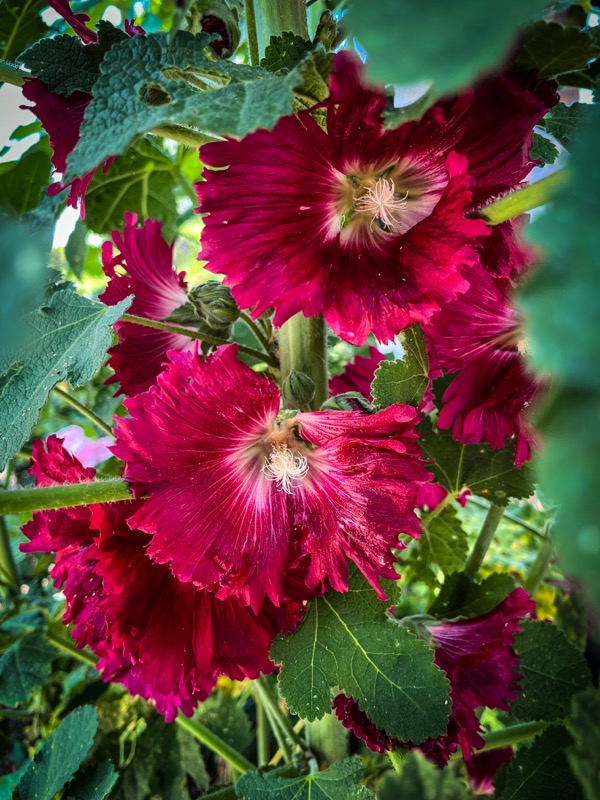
column 237, row 494
column 477, row 656
column 363, row 224
column 143, row 267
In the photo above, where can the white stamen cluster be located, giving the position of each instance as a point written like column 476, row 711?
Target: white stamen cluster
column 380, row 202
column 286, row 468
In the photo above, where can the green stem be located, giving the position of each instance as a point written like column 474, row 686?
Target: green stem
column 7, row 559
column 10, row 73
column 192, row 334
column 252, row 32
column 303, row 347
column 476, row 501
column 264, row 691
column 68, row 646
column 539, row 568
column 263, row 731
column 84, row 411
column 441, row 506
column 256, row 330
column 523, row 200
column 183, row 135
column 484, row 540
column 514, row 734
column 276, row 16
column 397, row 757
column 66, row 495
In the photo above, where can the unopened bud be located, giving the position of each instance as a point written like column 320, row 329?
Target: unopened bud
column 348, row 401
column 327, row 31
column 215, row 16
column 214, row 305
column 298, row 390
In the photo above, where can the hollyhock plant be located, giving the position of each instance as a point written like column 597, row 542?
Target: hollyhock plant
column 237, row 491
column 479, row 337
column 477, row 656
column 358, row 374
column 363, row 224
column 163, row 639
column 142, row 266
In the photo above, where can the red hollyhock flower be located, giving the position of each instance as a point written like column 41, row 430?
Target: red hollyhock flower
column 477, row 656
column 482, row 768
column 76, row 21
column 237, row 493
column 358, row 375
column 478, row 336
column 143, row 267
column 163, row 639
column 362, row 224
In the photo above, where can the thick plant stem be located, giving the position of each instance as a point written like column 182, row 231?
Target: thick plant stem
column 252, row 32
column 539, row 567
column 303, row 347
column 476, row 501
column 84, row 411
column 66, row 495
column 264, row 692
column 11, row 73
column 8, row 565
column 183, row 135
column 484, row 540
column 263, row 730
column 276, row 16
column 523, row 200
column 514, row 734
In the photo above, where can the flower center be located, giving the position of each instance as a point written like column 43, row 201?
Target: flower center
column 286, row 467
column 382, row 204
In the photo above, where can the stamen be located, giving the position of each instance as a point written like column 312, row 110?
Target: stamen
column 286, row 468
column 382, row 203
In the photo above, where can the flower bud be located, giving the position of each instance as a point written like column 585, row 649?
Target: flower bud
column 327, row 31
column 298, row 389
column 215, row 16
column 214, row 305
column 348, row 401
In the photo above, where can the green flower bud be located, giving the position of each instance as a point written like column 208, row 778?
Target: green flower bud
column 298, row 389
column 348, row 401
column 214, row 305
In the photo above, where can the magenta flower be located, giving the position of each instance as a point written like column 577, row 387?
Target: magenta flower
column 358, row 375
column 163, row 639
column 477, row 656
column 482, row 768
column 76, row 21
column 362, row 224
column 239, row 495
column 479, row 336
column 143, row 267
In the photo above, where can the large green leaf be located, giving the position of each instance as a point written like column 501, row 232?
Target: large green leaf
column 553, row 50
column 403, row 381
column 448, row 43
column 552, row 671
column 420, row 780
column 60, row 757
column 584, row 753
column 462, row 597
column 339, row 782
column 94, row 783
column 346, row 643
column 443, row 545
column 486, row 472
column 563, row 122
column 24, row 667
column 20, row 25
column 148, row 81
column 23, row 181
column 68, row 341
column 541, row 770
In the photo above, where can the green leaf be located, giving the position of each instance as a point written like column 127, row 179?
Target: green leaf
column 24, row 667
column 403, row 381
column 339, row 782
column 462, row 597
column 553, row 671
column 443, row 545
column 584, row 754
column 61, row 755
column 541, row 770
column 94, row 783
column 24, row 181
column 563, row 122
column 486, row 472
column 420, row 780
column 543, row 150
column 66, row 65
column 68, row 341
column 149, row 81
column 76, row 248
column 553, row 50
column 225, row 717
column 20, row 25
column 408, row 41
column 142, row 180
column 346, row 643
column 285, row 52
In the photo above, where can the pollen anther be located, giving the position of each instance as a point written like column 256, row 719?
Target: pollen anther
column 286, row 468
column 382, row 203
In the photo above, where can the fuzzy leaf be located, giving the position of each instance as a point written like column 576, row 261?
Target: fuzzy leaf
column 421, row 780
column 69, row 338
column 563, row 122
column 94, row 783
column 66, row 65
column 142, row 180
column 486, row 472
column 285, row 52
column 543, row 150
column 552, row 50
column 552, row 670
column 23, row 181
column 223, row 715
column 541, row 770
column 20, row 25
column 61, row 755
column 24, row 667
column 149, row 81
column 408, row 41
column 347, row 644
column 584, row 754
column 443, row 545
column 403, row 381
column 462, row 597
column 339, row 782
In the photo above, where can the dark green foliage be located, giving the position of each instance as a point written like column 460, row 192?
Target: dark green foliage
column 24, row 667
column 544, row 150
column 339, row 782
column 403, row 381
column 24, row 181
column 442, row 546
column 553, row 50
column 420, row 780
column 285, row 52
column 462, row 597
column 584, row 754
column 563, row 122
column 20, row 25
